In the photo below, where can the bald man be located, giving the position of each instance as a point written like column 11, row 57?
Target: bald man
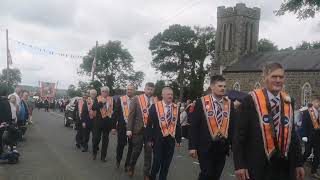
column 163, row 132
column 122, row 107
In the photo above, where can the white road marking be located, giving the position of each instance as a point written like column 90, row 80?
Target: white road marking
column 195, row 163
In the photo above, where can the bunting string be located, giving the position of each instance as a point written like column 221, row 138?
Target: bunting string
column 46, row 51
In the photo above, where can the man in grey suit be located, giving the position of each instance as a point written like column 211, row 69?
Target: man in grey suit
column 137, row 122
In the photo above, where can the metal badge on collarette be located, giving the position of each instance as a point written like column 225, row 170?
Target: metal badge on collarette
column 210, row 113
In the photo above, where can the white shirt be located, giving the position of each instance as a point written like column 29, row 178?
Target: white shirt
column 149, row 99
column 271, row 96
column 18, row 99
column 13, row 111
column 214, row 99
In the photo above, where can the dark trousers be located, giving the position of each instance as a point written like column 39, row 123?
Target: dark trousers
column 314, row 144
column 278, row 169
column 185, row 131
column 79, row 135
column 122, row 142
column 86, row 134
column 1, row 143
column 101, row 129
column 139, row 141
column 212, row 161
column 163, row 151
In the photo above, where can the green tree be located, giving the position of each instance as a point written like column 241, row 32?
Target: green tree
column 73, row 91
column 304, row 46
column 266, row 45
column 202, row 56
column 13, row 80
column 114, row 66
column 159, row 85
column 171, row 53
column 302, row 8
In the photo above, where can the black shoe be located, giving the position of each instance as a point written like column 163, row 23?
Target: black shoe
column 104, row 160
column 118, row 165
column 78, row 146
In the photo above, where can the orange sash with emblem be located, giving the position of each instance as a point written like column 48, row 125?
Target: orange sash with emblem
column 104, row 111
column 144, row 109
column 285, row 128
column 125, row 107
column 92, row 114
column 209, row 111
column 166, row 127
column 313, row 118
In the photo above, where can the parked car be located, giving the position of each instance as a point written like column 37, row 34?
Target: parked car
column 69, row 113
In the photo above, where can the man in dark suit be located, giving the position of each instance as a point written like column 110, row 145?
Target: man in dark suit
column 211, row 130
column 265, row 144
column 103, row 123
column 121, row 118
column 163, row 132
column 137, row 122
column 311, row 135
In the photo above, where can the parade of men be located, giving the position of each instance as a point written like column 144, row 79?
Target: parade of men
column 137, row 122
column 211, row 130
column 121, row 119
column 163, row 133
column 160, row 90
column 103, row 123
column 265, row 144
column 311, row 135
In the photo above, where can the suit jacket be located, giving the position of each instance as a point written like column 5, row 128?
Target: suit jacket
column 119, row 120
column 153, row 131
column 99, row 121
column 135, row 119
column 5, row 110
column 248, row 146
column 200, row 137
column 307, row 126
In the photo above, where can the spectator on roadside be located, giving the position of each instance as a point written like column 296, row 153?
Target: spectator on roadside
column 17, row 93
column 184, row 123
column 14, row 107
column 5, row 112
column 23, row 115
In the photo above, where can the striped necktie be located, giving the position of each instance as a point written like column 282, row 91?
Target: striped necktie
column 168, row 114
column 218, row 112
column 275, row 110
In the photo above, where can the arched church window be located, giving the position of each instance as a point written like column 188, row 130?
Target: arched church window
column 224, row 37
column 306, row 93
column 251, row 37
column 257, row 85
column 230, row 37
column 236, row 86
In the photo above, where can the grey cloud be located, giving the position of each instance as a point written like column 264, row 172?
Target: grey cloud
column 53, row 14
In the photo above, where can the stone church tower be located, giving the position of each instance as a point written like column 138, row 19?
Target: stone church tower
column 237, row 35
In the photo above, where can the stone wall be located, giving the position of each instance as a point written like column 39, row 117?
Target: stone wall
column 294, row 82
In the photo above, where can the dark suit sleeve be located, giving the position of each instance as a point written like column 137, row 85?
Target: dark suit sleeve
column 195, row 125
column 95, row 106
column 178, row 129
column 241, row 128
column 295, row 148
column 150, row 129
column 233, row 118
column 114, row 114
column 306, row 125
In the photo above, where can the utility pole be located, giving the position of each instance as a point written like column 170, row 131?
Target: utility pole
column 94, row 63
column 7, row 39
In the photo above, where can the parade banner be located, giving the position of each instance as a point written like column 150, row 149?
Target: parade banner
column 47, row 89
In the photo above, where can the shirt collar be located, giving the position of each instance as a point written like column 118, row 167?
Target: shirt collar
column 271, row 96
column 216, row 100
column 165, row 105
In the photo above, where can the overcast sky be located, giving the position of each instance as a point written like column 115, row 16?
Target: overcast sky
column 73, row 26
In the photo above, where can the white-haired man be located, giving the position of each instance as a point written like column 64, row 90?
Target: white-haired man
column 103, row 123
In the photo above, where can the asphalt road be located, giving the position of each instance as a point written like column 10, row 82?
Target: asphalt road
column 49, row 153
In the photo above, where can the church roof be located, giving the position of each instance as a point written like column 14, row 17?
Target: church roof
column 295, row 60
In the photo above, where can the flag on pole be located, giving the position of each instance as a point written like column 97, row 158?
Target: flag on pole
column 93, row 68
column 9, row 59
